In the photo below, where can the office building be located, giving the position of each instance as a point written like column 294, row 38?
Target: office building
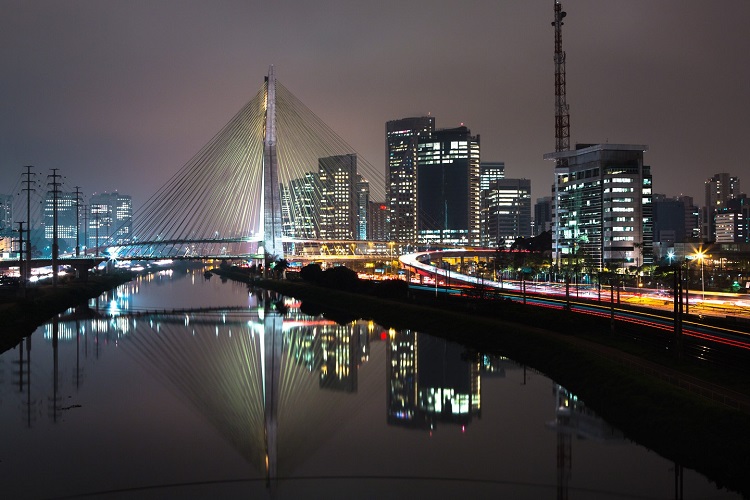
column 402, row 140
column 67, row 223
column 448, row 210
column 602, row 207
column 339, row 204
column 362, row 195
column 378, row 221
column 692, row 218
column 732, row 222
column 669, row 220
column 6, row 215
column 110, row 219
column 489, row 171
column 301, row 207
column 507, row 205
column 719, row 190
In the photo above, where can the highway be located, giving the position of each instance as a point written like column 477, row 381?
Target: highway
column 718, row 321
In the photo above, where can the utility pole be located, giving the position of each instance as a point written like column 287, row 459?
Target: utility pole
column 55, row 184
column 611, row 307
column 85, row 230
column 27, row 187
column 677, row 307
column 21, row 266
column 96, row 221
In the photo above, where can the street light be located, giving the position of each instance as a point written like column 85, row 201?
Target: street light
column 700, row 255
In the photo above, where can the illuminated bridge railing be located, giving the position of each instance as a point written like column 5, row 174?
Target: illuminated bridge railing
column 248, row 248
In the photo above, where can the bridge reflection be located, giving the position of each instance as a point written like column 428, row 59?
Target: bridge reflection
column 276, row 383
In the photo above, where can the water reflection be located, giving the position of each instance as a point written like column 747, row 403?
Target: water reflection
column 282, row 387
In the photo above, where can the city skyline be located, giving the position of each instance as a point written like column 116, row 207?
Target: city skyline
column 119, row 96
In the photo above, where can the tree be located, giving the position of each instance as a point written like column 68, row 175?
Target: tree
column 279, row 267
column 312, row 273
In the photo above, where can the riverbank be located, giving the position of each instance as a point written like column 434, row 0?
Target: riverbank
column 19, row 317
column 638, row 390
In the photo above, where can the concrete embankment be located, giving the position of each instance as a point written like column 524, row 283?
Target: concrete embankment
column 655, row 398
column 20, row 316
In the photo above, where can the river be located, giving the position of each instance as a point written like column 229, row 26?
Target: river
column 178, row 386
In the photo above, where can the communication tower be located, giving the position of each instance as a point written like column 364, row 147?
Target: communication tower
column 562, row 114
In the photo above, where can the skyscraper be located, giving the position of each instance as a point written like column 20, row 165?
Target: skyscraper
column 448, row 188
column 339, row 206
column 602, row 212
column 402, row 140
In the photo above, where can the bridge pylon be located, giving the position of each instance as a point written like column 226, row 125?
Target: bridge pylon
column 271, row 227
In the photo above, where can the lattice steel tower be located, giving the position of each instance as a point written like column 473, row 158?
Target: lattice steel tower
column 562, row 115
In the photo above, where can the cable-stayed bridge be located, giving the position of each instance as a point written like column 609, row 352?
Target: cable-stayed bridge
column 256, row 190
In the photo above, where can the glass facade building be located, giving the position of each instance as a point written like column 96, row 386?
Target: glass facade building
column 448, row 203
column 602, row 207
column 402, row 141
column 339, row 204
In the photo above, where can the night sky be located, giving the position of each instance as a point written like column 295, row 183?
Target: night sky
column 120, row 94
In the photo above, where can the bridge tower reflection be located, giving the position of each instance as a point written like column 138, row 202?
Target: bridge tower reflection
column 271, row 362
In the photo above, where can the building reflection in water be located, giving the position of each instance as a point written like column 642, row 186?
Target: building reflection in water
column 431, row 380
column 250, row 372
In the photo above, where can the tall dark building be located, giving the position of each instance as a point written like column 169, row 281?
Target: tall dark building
column 448, row 210
column 542, row 215
column 669, row 220
column 402, row 139
column 378, row 219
